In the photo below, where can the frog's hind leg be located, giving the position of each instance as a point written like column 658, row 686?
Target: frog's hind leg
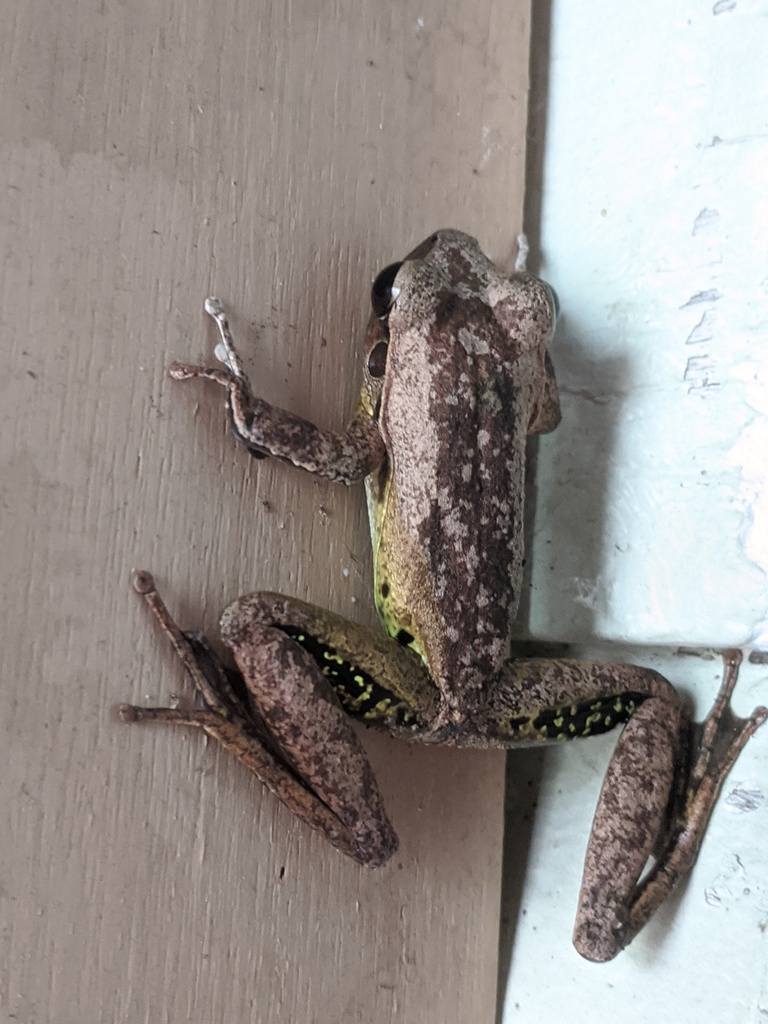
column 308, row 671
column 612, row 906
column 228, row 715
column 657, row 795
column 723, row 737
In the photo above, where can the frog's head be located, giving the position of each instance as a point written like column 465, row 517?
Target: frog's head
column 446, row 289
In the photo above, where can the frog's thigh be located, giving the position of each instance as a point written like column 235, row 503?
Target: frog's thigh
column 303, row 712
column 630, row 815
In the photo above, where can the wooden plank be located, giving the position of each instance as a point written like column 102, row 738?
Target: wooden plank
column 276, row 154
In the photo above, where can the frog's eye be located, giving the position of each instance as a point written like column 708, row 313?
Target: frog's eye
column 383, row 294
column 376, row 362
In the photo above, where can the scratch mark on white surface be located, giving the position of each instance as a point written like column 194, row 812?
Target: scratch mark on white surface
column 717, row 140
column 722, row 6
column 704, row 329
column 740, row 800
column 699, row 372
column 710, row 295
column 729, row 885
column 585, row 592
column 705, row 220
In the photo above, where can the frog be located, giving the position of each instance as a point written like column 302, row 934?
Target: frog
column 457, row 377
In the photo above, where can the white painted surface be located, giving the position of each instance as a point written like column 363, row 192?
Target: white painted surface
column 655, row 236
column 652, row 505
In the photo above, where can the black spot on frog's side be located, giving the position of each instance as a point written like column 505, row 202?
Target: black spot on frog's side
column 585, row 718
column 360, row 694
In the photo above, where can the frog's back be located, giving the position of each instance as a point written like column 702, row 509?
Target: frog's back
column 447, row 509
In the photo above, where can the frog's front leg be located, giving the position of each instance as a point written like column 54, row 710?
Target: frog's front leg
column 652, row 766
column 266, row 430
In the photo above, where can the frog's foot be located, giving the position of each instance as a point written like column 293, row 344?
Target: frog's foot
column 186, row 371
column 225, row 351
column 723, row 737
column 234, row 377
column 228, row 716
column 723, row 734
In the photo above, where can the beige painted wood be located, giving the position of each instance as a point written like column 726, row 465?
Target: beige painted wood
column 277, row 154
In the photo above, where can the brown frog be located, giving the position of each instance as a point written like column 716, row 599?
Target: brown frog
column 457, row 376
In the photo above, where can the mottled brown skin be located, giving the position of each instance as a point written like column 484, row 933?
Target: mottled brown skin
column 457, row 375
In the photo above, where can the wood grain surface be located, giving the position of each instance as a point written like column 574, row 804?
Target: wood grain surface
column 275, row 154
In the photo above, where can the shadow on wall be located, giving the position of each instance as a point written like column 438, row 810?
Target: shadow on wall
column 583, row 451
